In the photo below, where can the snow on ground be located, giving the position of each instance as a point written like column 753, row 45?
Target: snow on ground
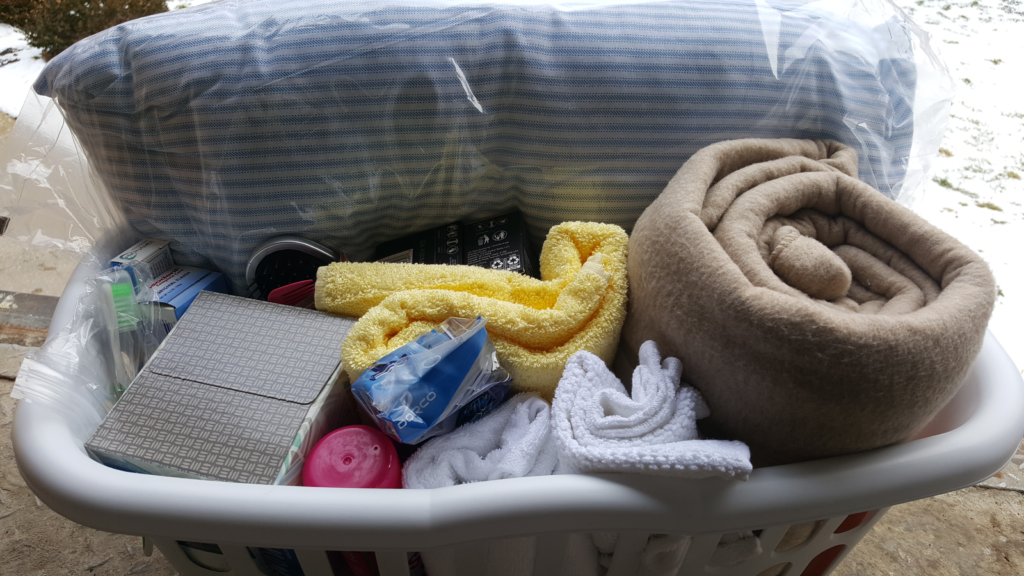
column 19, row 66
column 180, row 4
column 976, row 189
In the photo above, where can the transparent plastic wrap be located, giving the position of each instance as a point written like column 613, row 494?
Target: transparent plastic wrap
column 227, row 124
column 51, row 196
column 83, row 369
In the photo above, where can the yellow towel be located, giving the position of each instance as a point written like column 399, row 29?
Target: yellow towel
column 536, row 325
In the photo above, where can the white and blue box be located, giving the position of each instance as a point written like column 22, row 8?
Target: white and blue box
column 154, row 253
column 175, row 289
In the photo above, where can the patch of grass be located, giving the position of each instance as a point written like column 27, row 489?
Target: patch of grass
column 947, row 6
column 948, row 210
column 967, row 81
column 996, row 61
column 1000, row 292
column 994, row 221
column 947, row 184
column 950, row 41
column 1012, row 174
column 920, row 2
column 945, row 152
column 962, row 203
column 975, row 3
column 988, row 205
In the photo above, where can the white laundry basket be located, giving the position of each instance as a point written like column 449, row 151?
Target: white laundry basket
column 967, row 442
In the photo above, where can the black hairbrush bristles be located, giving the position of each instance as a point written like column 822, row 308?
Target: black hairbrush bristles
column 285, row 260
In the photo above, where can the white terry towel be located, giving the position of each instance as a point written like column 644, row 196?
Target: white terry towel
column 599, row 427
column 511, row 442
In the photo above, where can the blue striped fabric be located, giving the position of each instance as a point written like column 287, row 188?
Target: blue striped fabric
column 224, row 125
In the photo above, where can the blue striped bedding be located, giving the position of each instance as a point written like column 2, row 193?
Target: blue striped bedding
column 224, row 125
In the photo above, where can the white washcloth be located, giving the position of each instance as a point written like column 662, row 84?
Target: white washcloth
column 599, row 427
column 511, row 442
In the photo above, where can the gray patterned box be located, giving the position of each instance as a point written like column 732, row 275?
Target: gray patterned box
column 239, row 391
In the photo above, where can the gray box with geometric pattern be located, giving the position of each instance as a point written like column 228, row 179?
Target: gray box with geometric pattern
column 239, row 391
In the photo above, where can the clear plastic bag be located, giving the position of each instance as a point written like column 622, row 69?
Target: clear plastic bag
column 224, row 125
column 435, row 384
column 50, row 194
column 84, row 369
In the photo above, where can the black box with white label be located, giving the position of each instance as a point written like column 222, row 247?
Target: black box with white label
column 498, row 243
column 441, row 245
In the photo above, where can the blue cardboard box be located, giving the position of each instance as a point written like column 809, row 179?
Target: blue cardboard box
column 178, row 287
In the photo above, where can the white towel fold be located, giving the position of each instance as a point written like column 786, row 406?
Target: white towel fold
column 662, row 556
column 511, row 442
column 734, row 548
column 599, row 427
column 664, row 553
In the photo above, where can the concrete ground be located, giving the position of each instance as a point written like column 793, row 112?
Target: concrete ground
column 975, row 531
column 6, row 123
column 36, row 541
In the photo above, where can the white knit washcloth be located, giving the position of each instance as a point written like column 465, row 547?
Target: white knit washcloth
column 598, row 427
column 511, row 442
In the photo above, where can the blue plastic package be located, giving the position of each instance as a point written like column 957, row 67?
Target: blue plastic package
column 433, row 385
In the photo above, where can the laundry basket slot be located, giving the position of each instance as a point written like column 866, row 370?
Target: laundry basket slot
column 813, row 555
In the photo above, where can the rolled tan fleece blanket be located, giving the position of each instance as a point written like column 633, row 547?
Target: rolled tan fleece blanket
column 536, row 325
column 816, row 316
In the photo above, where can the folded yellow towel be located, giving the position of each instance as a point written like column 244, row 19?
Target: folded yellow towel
column 536, row 325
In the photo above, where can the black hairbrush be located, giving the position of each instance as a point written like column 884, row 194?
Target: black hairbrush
column 285, row 260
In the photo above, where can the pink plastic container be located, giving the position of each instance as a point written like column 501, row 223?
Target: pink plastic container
column 353, row 457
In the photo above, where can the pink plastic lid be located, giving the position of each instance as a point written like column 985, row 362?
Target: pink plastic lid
column 353, row 457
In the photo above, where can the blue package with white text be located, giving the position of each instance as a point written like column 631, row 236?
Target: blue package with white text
column 430, row 386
